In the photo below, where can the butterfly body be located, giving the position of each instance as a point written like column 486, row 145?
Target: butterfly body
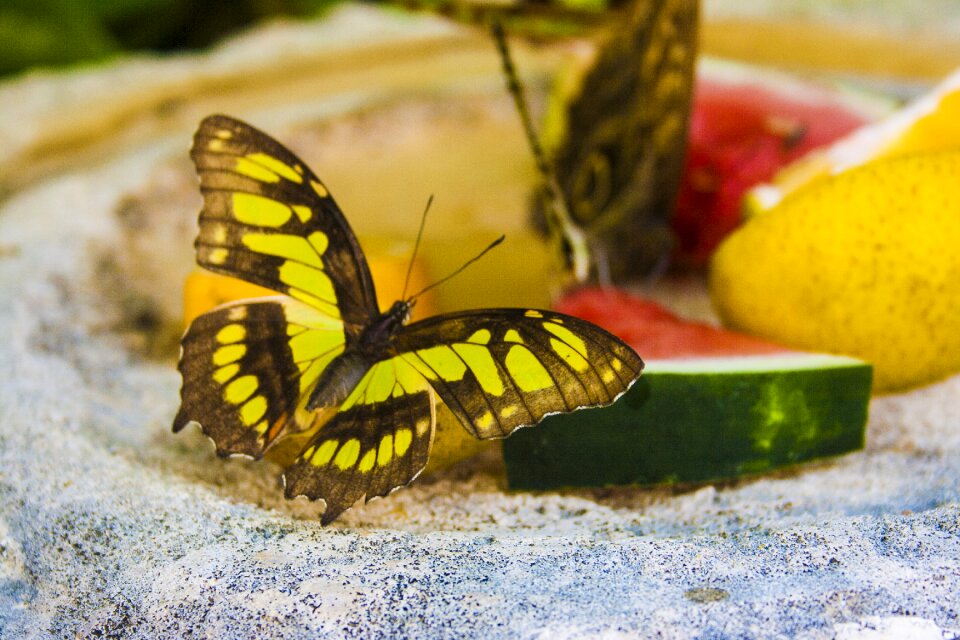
column 347, row 392
column 346, row 370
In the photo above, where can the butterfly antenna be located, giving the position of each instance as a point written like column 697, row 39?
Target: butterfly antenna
column 416, row 247
column 464, row 266
column 556, row 205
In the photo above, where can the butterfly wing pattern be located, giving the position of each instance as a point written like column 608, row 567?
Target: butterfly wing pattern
column 246, row 367
column 269, row 220
column 620, row 163
column 321, row 370
column 502, row 369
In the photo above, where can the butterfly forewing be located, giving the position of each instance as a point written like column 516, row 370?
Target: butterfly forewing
column 501, row 369
column 246, row 367
column 269, row 220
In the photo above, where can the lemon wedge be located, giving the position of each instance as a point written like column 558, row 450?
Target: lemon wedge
column 863, row 263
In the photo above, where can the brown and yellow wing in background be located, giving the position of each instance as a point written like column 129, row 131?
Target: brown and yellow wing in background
column 621, row 159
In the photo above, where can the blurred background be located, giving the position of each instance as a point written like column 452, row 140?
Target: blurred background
column 107, row 93
column 62, row 32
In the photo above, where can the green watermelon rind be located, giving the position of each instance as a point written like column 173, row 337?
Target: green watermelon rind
column 701, row 420
column 788, row 361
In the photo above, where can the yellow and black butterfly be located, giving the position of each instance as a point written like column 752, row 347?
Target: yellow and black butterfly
column 321, row 369
column 615, row 171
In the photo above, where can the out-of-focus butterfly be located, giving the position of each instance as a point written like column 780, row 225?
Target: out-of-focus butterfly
column 321, row 371
column 613, row 178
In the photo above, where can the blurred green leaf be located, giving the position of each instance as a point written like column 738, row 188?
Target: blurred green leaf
column 50, row 32
column 56, row 32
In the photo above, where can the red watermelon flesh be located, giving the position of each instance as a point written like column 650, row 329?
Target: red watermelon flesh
column 741, row 133
column 656, row 333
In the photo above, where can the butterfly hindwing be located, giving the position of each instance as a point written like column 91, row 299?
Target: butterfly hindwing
column 269, row 220
column 501, row 369
column 379, row 440
column 246, row 367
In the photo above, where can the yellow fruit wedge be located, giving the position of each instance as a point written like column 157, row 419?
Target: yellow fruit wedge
column 865, row 263
column 929, row 123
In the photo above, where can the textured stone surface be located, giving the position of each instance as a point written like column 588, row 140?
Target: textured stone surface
column 111, row 526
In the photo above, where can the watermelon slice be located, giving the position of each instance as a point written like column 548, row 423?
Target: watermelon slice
column 745, row 124
column 711, row 405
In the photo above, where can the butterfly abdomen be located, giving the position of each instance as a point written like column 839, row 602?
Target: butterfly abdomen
column 338, row 380
column 344, row 373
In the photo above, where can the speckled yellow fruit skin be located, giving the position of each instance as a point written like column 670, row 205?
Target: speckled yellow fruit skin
column 865, row 263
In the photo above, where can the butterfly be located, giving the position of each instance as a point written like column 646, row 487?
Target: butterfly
column 320, row 371
column 612, row 180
